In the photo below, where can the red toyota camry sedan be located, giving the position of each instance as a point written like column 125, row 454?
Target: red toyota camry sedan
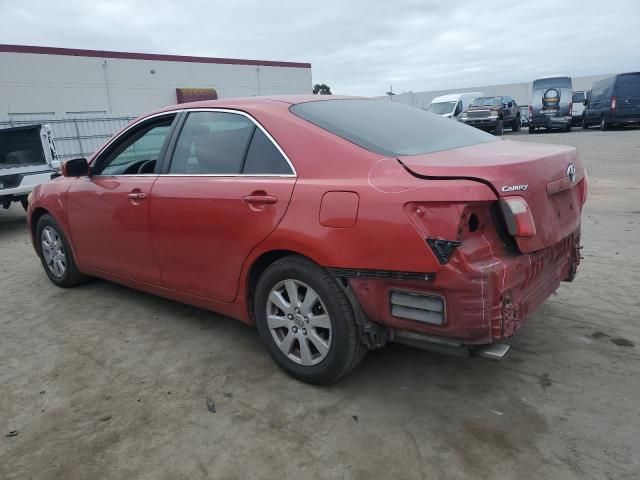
column 332, row 224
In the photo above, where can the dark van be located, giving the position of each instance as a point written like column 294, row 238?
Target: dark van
column 614, row 101
column 551, row 104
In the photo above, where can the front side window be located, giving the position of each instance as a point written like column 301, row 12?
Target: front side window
column 389, row 128
column 138, row 152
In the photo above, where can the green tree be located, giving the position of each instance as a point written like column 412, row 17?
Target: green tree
column 321, row 89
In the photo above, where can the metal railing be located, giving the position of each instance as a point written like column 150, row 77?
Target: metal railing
column 76, row 137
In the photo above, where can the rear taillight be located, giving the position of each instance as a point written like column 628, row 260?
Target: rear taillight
column 570, row 107
column 530, row 110
column 517, row 216
column 584, row 187
column 614, row 102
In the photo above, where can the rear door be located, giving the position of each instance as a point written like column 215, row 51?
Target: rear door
column 225, row 189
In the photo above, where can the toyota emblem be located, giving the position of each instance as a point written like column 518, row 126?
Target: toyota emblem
column 571, row 172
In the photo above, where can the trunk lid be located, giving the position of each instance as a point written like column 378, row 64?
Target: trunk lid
column 539, row 173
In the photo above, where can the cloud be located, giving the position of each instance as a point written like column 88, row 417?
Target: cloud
column 357, row 47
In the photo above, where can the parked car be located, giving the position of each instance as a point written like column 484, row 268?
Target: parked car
column 335, row 225
column 614, row 101
column 493, row 114
column 28, row 157
column 524, row 115
column 551, row 104
column 452, row 105
column 578, row 102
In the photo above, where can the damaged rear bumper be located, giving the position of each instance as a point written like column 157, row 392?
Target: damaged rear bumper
column 487, row 293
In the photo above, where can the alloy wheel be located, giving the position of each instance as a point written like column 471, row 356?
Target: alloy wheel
column 53, row 252
column 299, row 322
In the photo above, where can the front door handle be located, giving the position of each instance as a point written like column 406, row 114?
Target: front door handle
column 137, row 195
column 260, row 199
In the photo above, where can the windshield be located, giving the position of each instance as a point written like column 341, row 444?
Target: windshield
column 389, row 128
column 442, row 107
column 486, row 102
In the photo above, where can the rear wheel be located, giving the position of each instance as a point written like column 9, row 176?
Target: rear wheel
column 531, row 129
column 306, row 321
column 567, row 128
column 499, row 127
column 585, row 125
column 55, row 254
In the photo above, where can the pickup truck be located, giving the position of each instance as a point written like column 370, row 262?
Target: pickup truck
column 28, row 157
column 493, row 114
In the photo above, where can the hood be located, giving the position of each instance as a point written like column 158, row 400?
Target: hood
column 539, row 173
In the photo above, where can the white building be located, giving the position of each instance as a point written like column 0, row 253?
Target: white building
column 44, row 82
column 520, row 92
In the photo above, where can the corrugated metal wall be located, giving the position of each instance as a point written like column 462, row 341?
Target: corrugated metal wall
column 75, row 137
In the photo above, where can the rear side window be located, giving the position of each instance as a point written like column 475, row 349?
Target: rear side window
column 264, row 158
column 389, row 128
column 212, row 143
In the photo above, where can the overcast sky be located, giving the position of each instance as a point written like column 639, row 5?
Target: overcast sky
column 356, row 47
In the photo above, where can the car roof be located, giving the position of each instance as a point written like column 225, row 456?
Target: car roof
column 246, row 103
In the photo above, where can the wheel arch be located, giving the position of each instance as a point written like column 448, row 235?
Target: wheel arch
column 257, row 268
column 35, row 217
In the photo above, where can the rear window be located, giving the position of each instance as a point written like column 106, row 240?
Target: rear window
column 628, row 86
column 389, row 128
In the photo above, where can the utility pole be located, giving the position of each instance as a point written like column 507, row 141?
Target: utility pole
column 390, row 93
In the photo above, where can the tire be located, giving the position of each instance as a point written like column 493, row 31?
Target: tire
column 25, row 204
column 531, row 129
column 499, row 128
column 585, row 125
column 516, row 124
column 568, row 128
column 291, row 337
column 603, row 124
column 57, row 260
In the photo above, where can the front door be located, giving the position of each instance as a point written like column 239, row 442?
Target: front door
column 226, row 189
column 109, row 210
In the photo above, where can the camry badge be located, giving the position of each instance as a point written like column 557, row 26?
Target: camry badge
column 571, row 173
column 514, row 188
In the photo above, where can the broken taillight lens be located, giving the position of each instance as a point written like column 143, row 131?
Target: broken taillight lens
column 517, row 216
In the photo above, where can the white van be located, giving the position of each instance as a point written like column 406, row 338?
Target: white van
column 454, row 104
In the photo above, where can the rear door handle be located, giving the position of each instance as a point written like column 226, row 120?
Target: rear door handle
column 137, row 195
column 260, row 199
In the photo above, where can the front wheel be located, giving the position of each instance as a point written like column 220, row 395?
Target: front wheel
column 499, row 127
column 603, row 124
column 306, row 322
column 585, row 125
column 55, row 254
column 516, row 125
column 531, row 129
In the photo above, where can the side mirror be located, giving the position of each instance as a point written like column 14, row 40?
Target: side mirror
column 76, row 167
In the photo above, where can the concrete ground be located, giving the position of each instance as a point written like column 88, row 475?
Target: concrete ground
column 105, row 382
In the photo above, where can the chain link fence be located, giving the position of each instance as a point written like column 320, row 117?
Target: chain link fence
column 75, row 137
